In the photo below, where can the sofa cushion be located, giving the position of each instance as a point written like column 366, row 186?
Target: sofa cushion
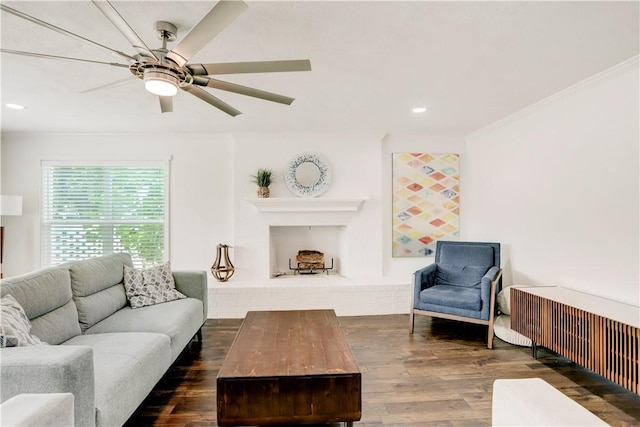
column 58, row 325
column 46, row 298
column 97, row 287
column 96, row 307
column 150, row 286
column 179, row 320
column 93, row 275
column 15, row 328
column 126, row 367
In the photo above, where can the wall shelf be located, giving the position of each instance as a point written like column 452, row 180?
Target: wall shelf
column 301, row 204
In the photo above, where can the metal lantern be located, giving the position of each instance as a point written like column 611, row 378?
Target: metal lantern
column 222, row 268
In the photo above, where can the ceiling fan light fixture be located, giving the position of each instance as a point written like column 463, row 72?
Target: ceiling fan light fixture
column 161, row 82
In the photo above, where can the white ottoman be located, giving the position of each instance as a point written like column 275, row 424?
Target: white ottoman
column 535, row 402
column 38, row 410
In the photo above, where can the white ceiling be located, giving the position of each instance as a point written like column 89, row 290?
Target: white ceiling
column 469, row 63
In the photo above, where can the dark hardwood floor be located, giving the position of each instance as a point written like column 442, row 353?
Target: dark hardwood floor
column 440, row 376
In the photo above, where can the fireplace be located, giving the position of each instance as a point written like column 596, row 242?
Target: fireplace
column 269, row 235
column 287, row 241
column 269, row 232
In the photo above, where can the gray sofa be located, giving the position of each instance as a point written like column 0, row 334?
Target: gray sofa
column 108, row 355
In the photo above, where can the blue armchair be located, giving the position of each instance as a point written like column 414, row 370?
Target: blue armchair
column 461, row 284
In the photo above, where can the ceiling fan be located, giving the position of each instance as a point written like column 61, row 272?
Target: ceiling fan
column 164, row 71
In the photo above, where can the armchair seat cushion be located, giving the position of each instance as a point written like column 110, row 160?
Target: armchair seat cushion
column 452, row 296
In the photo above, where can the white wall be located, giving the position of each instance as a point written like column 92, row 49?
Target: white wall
column 558, row 185
column 200, row 192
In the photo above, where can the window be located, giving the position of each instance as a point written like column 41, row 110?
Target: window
column 97, row 209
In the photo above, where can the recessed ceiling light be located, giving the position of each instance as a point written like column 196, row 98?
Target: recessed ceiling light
column 15, row 106
column 419, row 110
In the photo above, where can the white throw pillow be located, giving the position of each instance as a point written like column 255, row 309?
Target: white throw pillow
column 150, row 286
column 15, row 327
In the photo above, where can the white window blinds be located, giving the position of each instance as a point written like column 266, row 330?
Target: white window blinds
column 93, row 210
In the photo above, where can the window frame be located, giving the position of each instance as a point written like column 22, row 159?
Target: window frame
column 45, row 245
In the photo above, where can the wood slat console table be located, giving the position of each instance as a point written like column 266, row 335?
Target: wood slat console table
column 600, row 334
column 289, row 367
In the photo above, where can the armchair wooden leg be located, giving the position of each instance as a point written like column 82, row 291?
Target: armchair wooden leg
column 412, row 317
column 490, row 337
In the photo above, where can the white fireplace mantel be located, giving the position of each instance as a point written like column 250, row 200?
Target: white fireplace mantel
column 301, row 204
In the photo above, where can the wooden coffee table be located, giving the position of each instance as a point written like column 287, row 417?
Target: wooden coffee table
column 289, row 367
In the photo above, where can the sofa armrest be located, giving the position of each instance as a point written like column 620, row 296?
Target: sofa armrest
column 51, row 369
column 38, row 410
column 194, row 284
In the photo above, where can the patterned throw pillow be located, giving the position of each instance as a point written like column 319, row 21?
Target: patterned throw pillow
column 150, row 286
column 159, row 276
column 15, row 327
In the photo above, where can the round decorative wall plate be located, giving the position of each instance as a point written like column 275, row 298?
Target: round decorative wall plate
column 307, row 175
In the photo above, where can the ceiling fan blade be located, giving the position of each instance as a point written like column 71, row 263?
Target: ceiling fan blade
column 62, row 58
column 208, row 98
column 125, row 29
column 166, row 104
column 243, row 90
column 216, row 20
column 110, row 85
column 61, row 30
column 249, row 67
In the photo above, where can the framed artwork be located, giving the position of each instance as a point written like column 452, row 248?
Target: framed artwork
column 426, row 202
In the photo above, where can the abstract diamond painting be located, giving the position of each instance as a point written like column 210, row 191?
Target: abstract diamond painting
column 426, row 202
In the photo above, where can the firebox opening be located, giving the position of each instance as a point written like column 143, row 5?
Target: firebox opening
column 286, row 242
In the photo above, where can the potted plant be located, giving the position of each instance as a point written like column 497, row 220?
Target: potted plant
column 263, row 179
